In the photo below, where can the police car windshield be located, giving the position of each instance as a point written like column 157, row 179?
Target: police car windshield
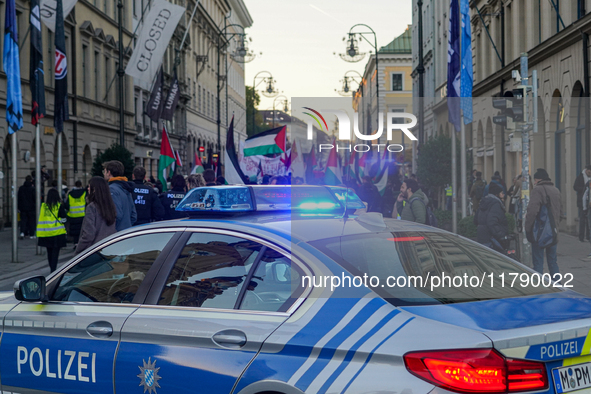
column 415, row 268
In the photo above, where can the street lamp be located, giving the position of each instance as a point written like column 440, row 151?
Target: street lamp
column 285, row 108
column 269, row 92
column 352, row 54
column 243, row 54
column 347, row 82
column 352, row 51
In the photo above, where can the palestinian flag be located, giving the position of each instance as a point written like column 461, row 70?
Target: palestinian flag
column 178, row 159
column 167, row 157
column 266, row 143
column 350, row 169
column 361, row 164
column 381, row 180
column 198, row 169
column 233, row 173
column 333, row 176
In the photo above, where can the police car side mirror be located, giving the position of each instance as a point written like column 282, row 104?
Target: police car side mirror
column 30, row 289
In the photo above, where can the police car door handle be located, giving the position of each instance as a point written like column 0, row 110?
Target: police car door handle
column 100, row 329
column 230, row 338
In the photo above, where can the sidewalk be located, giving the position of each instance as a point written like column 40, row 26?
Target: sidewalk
column 572, row 258
column 30, row 264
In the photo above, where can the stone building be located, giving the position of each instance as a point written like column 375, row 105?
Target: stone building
column 92, row 50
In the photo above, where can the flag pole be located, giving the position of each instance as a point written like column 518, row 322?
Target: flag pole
column 38, row 178
column 59, row 164
column 14, row 202
column 454, row 183
column 463, row 166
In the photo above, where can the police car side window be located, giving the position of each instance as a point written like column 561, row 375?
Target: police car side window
column 114, row 273
column 210, row 271
column 274, row 287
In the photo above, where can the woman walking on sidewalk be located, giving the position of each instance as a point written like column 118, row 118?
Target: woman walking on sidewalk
column 101, row 214
column 51, row 232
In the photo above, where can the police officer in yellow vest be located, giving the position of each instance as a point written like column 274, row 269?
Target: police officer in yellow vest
column 448, row 197
column 51, row 232
column 76, row 206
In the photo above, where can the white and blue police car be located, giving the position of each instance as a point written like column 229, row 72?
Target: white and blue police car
column 279, row 289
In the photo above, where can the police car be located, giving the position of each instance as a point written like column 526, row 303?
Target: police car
column 244, row 300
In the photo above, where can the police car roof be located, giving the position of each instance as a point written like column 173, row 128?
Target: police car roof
column 299, row 227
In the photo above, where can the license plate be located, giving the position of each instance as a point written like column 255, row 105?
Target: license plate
column 571, row 378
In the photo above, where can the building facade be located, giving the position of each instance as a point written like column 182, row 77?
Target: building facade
column 93, row 51
column 555, row 37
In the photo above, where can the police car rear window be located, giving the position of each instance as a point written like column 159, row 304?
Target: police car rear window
column 414, row 268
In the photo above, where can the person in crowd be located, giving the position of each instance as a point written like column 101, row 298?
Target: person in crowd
column 195, row 180
column 587, row 205
column 491, row 220
column 495, row 179
column 51, row 232
column 121, row 191
column 44, row 177
column 75, row 204
column 477, row 191
column 500, row 179
column 209, row 176
column 389, row 198
column 369, row 193
column 171, row 198
column 580, row 186
column 266, row 179
column 220, row 180
column 514, row 194
column 147, row 204
column 279, row 180
column 543, row 189
column 411, row 203
column 65, row 190
column 448, row 197
column 27, row 208
column 101, row 214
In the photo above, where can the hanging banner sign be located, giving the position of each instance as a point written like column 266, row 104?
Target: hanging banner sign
column 49, row 9
column 153, row 40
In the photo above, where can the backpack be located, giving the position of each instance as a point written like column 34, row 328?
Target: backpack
column 430, row 218
column 545, row 233
column 479, row 191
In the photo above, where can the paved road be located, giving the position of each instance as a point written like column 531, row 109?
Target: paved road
column 572, row 258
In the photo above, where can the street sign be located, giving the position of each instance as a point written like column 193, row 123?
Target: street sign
column 202, row 149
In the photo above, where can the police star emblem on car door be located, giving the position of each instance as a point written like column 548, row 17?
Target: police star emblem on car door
column 149, row 376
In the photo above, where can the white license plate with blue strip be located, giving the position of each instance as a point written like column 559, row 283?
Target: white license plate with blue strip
column 572, row 378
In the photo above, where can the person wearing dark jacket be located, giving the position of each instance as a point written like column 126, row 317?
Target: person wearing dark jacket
column 76, row 205
column 101, row 215
column 27, row 208
column 209, row 176
column 490, row 218
column 147, row 204
column 369, row 193
column 171, row 198
column 580, row 185
column 543, row 190
column 121, row 191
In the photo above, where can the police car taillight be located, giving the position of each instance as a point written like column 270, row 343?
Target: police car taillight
column 476, row 371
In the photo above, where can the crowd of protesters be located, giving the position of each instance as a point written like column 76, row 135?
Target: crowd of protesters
column 113, row 203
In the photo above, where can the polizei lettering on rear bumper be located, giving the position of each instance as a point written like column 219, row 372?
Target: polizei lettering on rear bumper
column 562, row 349
column 66, row 364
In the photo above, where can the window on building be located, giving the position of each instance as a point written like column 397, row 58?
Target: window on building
column 105, row 6
column 85, row 70
column 107, row 78
column 96, row 75
column 397, row 82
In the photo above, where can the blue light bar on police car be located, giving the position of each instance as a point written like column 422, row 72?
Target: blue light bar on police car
column 218, row 198
column 267, row 198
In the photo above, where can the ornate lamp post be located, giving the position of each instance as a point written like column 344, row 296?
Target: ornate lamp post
column 269, row 91
column 285, row 107
column 347, row 81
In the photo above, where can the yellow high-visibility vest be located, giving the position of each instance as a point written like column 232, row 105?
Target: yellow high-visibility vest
column 77, row 206
column 49, row 224
column 448, row 191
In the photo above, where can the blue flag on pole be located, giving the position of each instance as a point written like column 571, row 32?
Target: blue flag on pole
column 453, row 65
column 467, row 75
column 14, row 97
column 61, row 72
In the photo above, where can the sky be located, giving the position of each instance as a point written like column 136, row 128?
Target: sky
column 298, row 39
